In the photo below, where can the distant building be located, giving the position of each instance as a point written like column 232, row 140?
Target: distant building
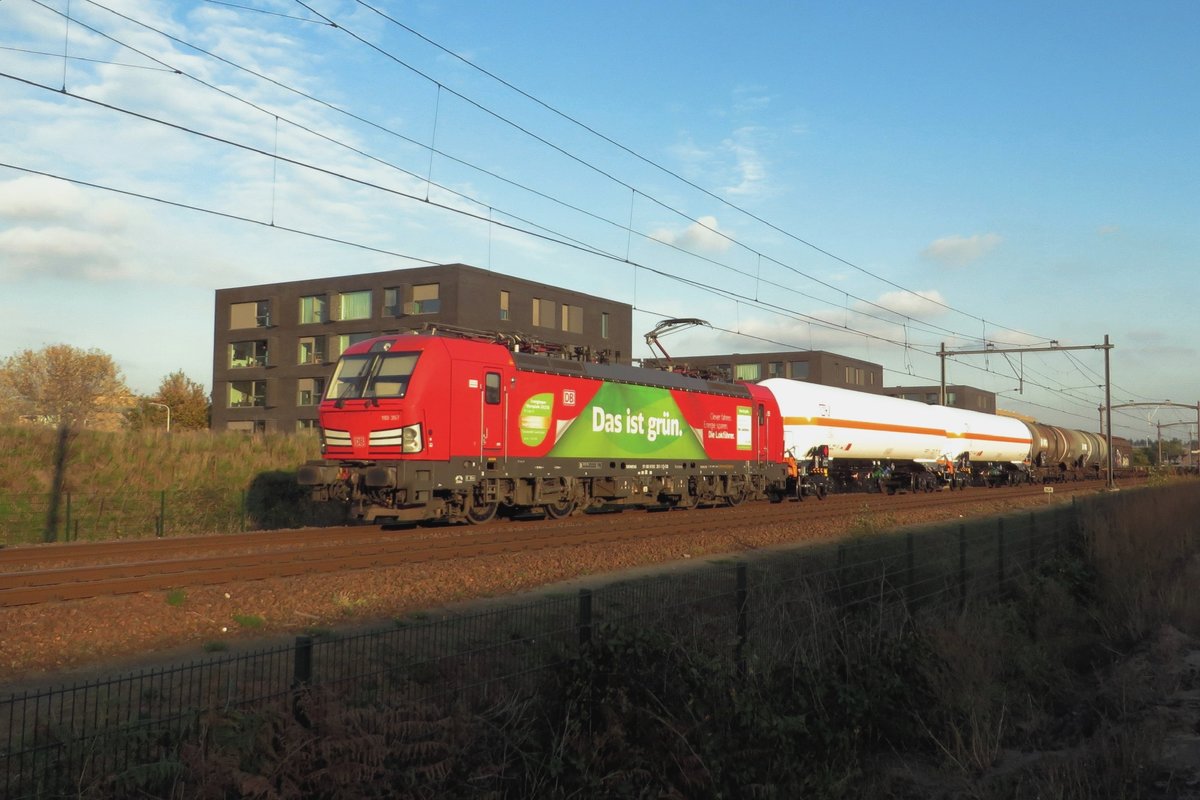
column 814, row 366
column 274, row 345
column 827, row 369
column 967, row 397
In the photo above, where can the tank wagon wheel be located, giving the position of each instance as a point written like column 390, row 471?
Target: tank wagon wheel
column 560, row 509
column 481, row 513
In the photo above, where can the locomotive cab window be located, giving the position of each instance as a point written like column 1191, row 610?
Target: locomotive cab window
column 491, row 388
column 372, row 375
column 392, row 375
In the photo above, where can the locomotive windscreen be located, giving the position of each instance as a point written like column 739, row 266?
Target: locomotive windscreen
column 372, row 375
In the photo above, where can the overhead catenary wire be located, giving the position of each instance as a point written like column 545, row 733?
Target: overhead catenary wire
column 812, row 319
column 331, row 23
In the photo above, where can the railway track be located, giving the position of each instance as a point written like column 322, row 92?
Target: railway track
column 73, row 571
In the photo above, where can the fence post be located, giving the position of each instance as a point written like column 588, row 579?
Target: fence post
column 301, row 676
column 841, row 575
column 585, row 617
column 1000, row 556
column 910, row 577
column 742, row 619
column 962, row 568
column 1033, row 562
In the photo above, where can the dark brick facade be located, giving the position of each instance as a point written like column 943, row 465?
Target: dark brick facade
column 275, row 344
column 958, row 396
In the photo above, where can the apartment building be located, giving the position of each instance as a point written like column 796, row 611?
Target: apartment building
column 958, row 396
column 274, row 345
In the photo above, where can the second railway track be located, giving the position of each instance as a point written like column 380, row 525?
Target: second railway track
column 51, row 573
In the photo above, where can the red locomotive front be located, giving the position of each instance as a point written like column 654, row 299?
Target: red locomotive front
column 432, row 427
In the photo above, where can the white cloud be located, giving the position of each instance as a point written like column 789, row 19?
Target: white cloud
column 59, row 252
column 49, row 228
column 749, row 99
column 32, row 198
column 959, row 251
column 749, row 167
column 703, row 236
column 915, row 304
column 1108, row 230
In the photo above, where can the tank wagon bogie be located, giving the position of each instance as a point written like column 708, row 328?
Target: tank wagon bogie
column 419, row 427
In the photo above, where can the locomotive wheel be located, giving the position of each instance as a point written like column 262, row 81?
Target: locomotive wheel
column 822, row 490
column 688, row 501
column 479, row 514
column 737, row 497
column 560, row 509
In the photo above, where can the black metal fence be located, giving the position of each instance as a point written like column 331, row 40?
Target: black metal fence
column 72, row 740
column 114, row 515
column 272, row 501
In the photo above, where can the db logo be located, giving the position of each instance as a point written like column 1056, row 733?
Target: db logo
column 568, row 397
column 360, row 441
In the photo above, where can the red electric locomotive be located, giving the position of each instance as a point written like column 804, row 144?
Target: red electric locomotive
column 434, row 427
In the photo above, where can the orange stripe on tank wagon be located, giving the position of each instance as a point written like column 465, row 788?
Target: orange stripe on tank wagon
column 987, row 437
column 828, row 422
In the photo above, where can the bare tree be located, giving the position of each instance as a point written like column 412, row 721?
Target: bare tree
column 65, row 386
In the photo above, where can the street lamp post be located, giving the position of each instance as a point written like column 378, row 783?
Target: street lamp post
column 167, row 407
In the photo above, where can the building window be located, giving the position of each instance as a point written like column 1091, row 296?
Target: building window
column 543, row 313
column 799, row 370
column 347, row 339
column 247, row 394
column 572, row 318
column 307, row 425
column 503, row 305
column 310, row 391
column 425, row 299
column 248, row 426
column 255, row 314
column 774, row 369
column 931, row 398
column 854, row 376
column 354, row 305
column 312, row 350
column 393, row 302
column 248, row 354
column 313, row 309
column 604, row 325
column 951, row 399
column 747, row 372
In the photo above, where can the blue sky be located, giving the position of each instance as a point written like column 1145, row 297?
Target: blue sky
column 868, row 178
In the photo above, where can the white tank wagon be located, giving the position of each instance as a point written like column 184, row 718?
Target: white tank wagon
column 986, row 448
column 858, row 440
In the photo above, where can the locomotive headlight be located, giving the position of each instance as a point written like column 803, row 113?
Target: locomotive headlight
column 410, row 439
